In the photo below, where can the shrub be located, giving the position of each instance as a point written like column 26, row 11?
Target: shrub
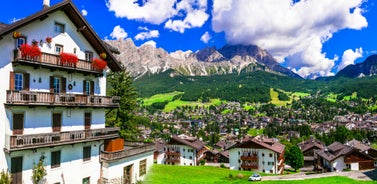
column 5, row 177
column 30, row 52
column 68, row 59
column 99, row 64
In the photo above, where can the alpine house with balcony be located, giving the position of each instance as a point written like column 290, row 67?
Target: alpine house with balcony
column 54, row 99
column 257, row 154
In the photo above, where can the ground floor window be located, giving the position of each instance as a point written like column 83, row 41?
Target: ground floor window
column 86, row 180
column 143, row 167
column 55, row 159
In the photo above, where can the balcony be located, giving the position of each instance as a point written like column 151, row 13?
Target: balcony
column 129, row 151
column 173, row 153
column 249, row 166
column 250, row 158
column 31, row 141
column 34, row 98
column 173, row 160
column 52, row 61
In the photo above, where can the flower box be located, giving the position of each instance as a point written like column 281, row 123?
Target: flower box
column 99, row 64
column 48, row 40
column 30, row 52
column 68, row 59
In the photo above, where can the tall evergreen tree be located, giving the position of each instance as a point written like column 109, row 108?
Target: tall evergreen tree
column 120, row 84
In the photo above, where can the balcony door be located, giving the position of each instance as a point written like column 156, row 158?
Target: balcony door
column 18, row 123
column 127, row 174
column 58, row 84
column 56, row 122
column 16, row 170
column 87, row 120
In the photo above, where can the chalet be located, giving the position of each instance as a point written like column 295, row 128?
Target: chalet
column 184, row 150
column 258, row 154
column 214, row 156
column 338, row 157
column 309, row 148
column 55, row 102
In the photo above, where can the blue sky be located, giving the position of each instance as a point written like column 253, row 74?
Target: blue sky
column 312, row 37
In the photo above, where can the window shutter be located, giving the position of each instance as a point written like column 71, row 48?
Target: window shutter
column 64, row 85
column 91, row 87
column 11, row 81
column 26, row 82
column 51, row 84
column 84, row 88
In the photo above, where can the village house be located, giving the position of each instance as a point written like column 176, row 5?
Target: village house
column 308, row 148
column 259, row 154
column 339, row 157
column 184, row 150
column 55, row 102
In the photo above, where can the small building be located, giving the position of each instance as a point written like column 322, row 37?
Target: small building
column 338, row 157
column 257, row 154
column 308, row 148
column 184, row 150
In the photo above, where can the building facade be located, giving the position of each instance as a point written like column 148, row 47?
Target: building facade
column 54, row 99
column 257, row 154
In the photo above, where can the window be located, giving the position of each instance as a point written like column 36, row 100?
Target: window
column 270, row 154
column 87, row 153
column 58, row 49
column 88, row 56
column 87, row 120
column 143, row 167
column 18, row 123
column 20, row 41
column 190, row 157
column 271, row 163
column 18, row 81
column 55, row 159
column 88, row 87
column 56, row 122
column 59, row 28
column 57, row 84
column 262, row 154
column 271, row 171
column 86, row 180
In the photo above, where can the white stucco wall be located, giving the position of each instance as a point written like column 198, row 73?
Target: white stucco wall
column 339, row 164
column 113, row 171
column 236, row 153
column 72, row 169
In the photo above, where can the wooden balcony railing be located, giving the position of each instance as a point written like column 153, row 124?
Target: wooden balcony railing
column 53, row 60
column 247, row 166
column 29, row 141
column 173, row 160
column 128, row 152
column 51, row 99
column 173, row 153
column 250, row 158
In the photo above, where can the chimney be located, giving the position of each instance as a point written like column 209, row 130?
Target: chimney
column 46, row 4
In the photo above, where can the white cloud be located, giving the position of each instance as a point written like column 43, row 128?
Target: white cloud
column 152, row 11
column 205, row 37
column 177, row 16
column 295, row 31
column 84, row 12
column 349, row 57
column 150, row 42
column 147, row 35
column 118, row 33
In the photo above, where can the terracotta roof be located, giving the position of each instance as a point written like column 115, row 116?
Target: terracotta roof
column 273, row 146
column 311, row 143
column 78, row 20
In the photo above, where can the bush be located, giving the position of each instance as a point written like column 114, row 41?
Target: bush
column 202, row 162
column 5, row 177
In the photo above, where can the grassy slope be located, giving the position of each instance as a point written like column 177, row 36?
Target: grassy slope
column 162, row 174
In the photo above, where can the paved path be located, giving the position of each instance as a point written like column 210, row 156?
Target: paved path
column 357, row 175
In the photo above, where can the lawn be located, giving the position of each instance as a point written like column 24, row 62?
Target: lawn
column 160, row 98
column 255, row 131
column 166, row 174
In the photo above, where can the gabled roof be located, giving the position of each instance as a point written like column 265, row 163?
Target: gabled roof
column 337, row 149
column 311, row 143
column 197, row 145
column 78, row 20
column 359, row 145
column 258, row 142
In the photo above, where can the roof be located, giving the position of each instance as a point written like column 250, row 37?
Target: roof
column 335, row 150
column 359, row 145
column 260, row 142
column 194, row 144
column 78, row 20
column 311, row 143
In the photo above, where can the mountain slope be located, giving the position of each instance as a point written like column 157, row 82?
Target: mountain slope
column 366, row 68
column 206, row 62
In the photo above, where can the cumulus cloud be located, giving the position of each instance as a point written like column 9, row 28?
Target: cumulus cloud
column 177, row 15
column 291, row 32
column 150, row 42
column 147, row 35
column 118, row 33
column 205, row 37
column 84, row 12
column 349, row 57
